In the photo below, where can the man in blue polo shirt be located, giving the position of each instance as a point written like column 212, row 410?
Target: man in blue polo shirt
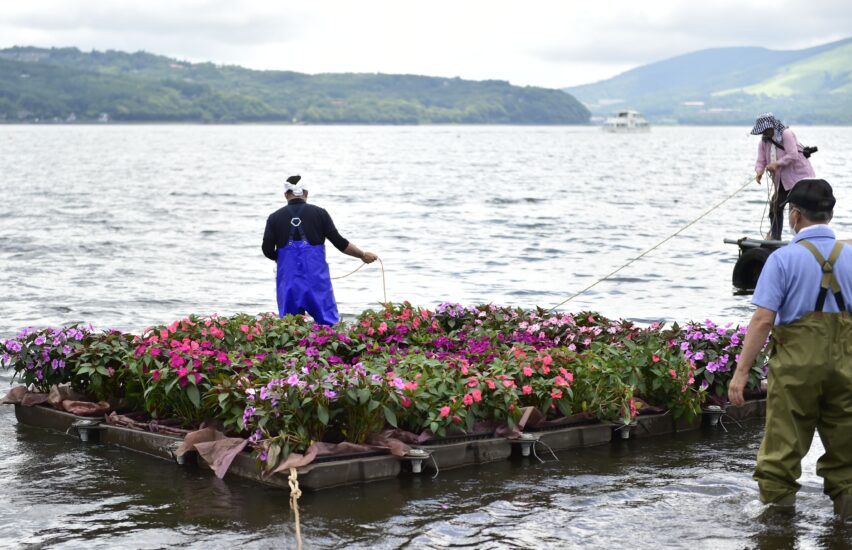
column 802, row 297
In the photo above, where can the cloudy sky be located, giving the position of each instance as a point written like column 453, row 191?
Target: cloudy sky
column 548, row 43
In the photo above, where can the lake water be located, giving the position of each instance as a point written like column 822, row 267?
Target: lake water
column 128, row 226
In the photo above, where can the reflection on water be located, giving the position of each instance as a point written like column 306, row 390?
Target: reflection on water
column 135, row 225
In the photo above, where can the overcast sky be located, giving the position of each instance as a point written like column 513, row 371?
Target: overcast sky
column 534, row 42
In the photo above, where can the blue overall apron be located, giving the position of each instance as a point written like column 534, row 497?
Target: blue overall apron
column 303, row 282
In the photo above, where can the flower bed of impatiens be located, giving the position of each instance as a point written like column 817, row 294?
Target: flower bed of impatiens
column 285, row 384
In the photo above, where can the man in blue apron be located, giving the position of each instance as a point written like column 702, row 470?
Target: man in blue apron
column 803, row 297
column 295, row 238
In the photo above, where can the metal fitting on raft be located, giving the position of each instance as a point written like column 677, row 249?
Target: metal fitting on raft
column 526, row 441
column 713, row 413
column 416, row 457
column 88, row 430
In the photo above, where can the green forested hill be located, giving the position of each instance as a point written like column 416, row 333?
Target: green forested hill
column 732, row 85
column 51, row 84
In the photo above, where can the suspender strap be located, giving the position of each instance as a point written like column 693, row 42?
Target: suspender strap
column 296, row 222
column 829, row 279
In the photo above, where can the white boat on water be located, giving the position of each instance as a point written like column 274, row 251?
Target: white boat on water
column 626, row 122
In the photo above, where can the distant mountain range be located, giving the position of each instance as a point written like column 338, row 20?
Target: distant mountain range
column 68, row 85
column 732, row 86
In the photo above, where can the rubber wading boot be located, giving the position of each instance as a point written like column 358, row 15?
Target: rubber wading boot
column 843, row 506
column 787, row 501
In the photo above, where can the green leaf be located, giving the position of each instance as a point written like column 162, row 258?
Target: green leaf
column 363, row 395
column 194, row 396
column 322, row 414
column 390, row 416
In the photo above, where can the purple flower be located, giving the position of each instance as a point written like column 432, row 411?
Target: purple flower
column 247, row 414
column 39, row 340
column 704, row 384
column 699, row 356
column 263, row 393
column 684, row 346
column 312, row 352
column 293, row 379
column 331, row 394
column 13, row 345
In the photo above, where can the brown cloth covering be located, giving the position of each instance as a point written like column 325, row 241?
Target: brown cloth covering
column 85, row 408
column 14, row 396
column 218, row 450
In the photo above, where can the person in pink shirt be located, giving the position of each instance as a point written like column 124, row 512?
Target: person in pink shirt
column 780, row 154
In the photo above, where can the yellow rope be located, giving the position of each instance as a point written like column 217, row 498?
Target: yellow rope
column 659, row 244
column 295, row 493
column 384, row 279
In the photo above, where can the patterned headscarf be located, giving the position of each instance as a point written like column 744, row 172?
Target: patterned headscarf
column 766, row 121
column 293, row 185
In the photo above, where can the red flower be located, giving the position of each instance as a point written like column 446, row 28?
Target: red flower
column 655, row 359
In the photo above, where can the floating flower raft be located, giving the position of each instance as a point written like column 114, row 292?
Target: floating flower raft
column 258, row 395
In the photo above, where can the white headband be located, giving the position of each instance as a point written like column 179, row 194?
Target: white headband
column 297, row 189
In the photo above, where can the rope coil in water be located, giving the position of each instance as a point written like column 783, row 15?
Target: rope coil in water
column 295, row 493
column 659, row 244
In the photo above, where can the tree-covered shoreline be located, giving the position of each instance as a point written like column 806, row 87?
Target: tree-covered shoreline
column 68, row 85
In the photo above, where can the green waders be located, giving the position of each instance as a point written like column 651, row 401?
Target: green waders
column 810, row 387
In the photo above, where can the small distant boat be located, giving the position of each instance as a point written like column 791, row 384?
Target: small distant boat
column 626, row 122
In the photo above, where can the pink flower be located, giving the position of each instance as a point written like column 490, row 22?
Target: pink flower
column 456, row 419
column 244, row 328
column 444, row 411
column 509, row 383
column 467, row 399
column 547, row 360
column 673, row 373
column 177, row 360
column 528, row 371
column 155, row 375
column 556, row 394
column 183, row 372
column 559, row 381
column 655, row 359
column 406, row 402
column 383, row 328
column 527, row 389
column 490, row 384
column 410, row 386
column 197, row 377
column 477, row 395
